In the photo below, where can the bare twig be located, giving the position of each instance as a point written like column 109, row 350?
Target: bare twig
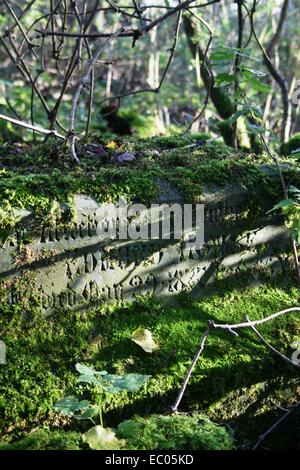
column 129, row 32
column 30, row 126
column 23, row 31
column 269, row 346
column 84, row 83
column 199, row 351
column 275, row 425
column 231, row 329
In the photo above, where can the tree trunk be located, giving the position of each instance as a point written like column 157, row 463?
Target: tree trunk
column 220, row 99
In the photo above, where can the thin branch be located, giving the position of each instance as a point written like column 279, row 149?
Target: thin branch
column 30, row 126
column 230, row 328
column 282, row 356
column 128, row 31
column 29, row 43
column 84, row 83
column 163, row 76
column 275, row 425
column 199, row 351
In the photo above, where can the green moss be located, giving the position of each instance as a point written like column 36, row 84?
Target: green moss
column 42, row 178
column 174, row 433
column 154, row 433
column 42, row 353
column 46, row 440
column 170, row 142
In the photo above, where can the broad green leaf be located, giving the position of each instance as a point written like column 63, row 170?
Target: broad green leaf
column 224, row 79
column 254, row 129
column 91, row 379
column 256, row 112
column 71, row 405
column 282, row 204
column 223, row 53
column 84, row 370
column 294, row 156
column 144, row 339
column 294, row 191
column 249, row 73
column 257, row 85
column 245, row 111
column 295, row 230
column 221, row 56
column 129, row 382
column 236, row 115
column 99, row 438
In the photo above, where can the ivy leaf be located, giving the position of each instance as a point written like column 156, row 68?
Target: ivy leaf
column 99, row 438
column 89, row 413
column 89, row 375
column 111, row 383
column 144, row 339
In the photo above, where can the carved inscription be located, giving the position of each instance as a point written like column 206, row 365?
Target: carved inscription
column 87, row 268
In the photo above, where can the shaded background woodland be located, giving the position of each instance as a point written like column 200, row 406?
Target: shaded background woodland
column 207, row 61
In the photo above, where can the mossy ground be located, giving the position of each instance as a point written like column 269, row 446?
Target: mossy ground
column 181, row 432
column 237, row 381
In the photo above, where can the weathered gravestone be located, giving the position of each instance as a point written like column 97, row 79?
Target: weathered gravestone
column 78, row 263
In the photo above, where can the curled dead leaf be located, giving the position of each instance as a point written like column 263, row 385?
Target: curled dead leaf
column 144, row 339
